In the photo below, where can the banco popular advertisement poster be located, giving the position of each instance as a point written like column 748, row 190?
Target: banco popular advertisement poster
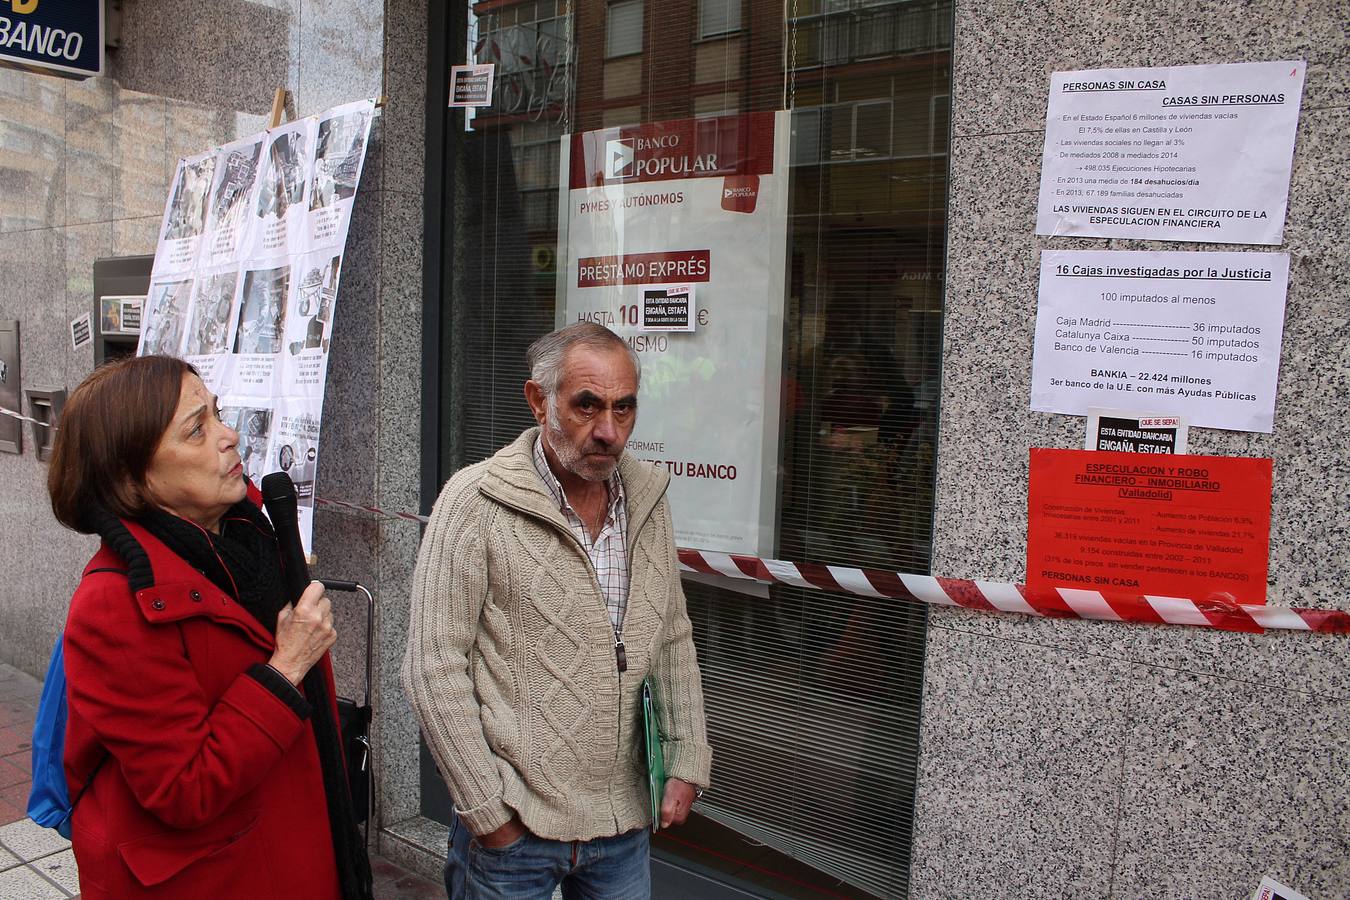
column 675, row 237
column 245, row 281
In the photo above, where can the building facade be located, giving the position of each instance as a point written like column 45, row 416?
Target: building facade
column 864, row 748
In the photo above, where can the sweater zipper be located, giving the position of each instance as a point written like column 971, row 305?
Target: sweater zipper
column 620, row 651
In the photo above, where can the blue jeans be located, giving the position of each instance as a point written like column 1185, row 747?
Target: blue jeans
column 612, row 868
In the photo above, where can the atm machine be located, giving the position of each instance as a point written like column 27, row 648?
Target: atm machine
column 121, row 284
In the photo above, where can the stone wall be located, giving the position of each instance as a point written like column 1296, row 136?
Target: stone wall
column 1086, row 759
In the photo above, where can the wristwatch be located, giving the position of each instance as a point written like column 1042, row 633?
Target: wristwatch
column 698, row 793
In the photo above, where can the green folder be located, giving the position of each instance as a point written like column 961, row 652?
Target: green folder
column 656, row 757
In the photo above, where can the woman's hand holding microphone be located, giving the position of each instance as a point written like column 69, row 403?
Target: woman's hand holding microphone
column 305, row 632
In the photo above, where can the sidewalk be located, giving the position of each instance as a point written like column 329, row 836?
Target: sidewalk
column 36, row 863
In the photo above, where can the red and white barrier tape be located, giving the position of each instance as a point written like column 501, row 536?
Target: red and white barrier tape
column 343, row 504
column 988, row 596
column 991, row 596
column 20, row 416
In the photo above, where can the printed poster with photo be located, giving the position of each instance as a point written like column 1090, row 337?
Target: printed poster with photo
column 228, row 221
column 309, row 323
column 211, row 327
column 295, row 451
column 166, row 315
column 340, row 153
column 675, row 238
column 245, row 282
column 280, row 211
column 185, row 214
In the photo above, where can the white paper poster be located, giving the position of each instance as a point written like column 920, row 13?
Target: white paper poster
column 287, row 168
column 166, row 314
column 245, row 281
column 1183, row 153
column 676, row 239
column 1195, row 335
column 340, row 155
column 185, row 215
column 229, row 218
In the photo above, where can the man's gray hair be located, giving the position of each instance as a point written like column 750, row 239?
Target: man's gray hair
column 545, row 355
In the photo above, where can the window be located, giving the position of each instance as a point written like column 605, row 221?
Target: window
column 813, row 698
column 806, row 137
column 718, row 17
column 624, row 33
column 839, row 32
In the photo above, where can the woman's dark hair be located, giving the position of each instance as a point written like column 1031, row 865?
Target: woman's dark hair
column 108, row 433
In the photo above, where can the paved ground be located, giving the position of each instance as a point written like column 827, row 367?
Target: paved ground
column 36, row 863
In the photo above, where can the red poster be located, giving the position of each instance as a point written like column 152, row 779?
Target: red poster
column 1176, row 526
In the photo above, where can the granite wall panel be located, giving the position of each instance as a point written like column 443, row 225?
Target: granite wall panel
column 341, row 53
column 90, row 109
column 1011, row 732
column 1008, row 48
column 1225, row 782
column 217, row 54
column 402, row 162
column 1230, row 761
column 32, row 175
column 398, row 487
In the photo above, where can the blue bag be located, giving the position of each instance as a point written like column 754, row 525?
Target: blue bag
column 49, row 800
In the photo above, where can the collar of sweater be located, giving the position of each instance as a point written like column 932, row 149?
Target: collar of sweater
column 511, row 479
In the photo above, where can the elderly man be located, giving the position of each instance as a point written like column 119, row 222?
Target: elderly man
column 546, row 591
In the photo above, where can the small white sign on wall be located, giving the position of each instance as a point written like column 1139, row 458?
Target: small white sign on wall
column 81, row 331
column 1270, row 889
column 471, row 86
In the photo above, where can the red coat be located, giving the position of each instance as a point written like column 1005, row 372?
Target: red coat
column 211, row 786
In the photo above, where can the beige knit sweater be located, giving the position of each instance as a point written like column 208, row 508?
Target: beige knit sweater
column 510, row 663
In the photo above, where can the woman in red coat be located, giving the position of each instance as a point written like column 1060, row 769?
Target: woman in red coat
column 212, row 763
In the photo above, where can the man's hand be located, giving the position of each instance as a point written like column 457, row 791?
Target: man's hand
column 507, row 834
column 677, row 802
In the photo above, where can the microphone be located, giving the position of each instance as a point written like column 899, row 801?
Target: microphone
column 279, row 498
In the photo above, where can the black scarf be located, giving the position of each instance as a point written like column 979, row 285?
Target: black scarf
column 243, row 561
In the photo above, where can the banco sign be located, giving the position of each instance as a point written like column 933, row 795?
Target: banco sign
column 61, row 36
column 716, row 147
column 657, row 157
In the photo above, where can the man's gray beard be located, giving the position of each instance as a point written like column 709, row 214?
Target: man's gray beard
column 569, row 455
